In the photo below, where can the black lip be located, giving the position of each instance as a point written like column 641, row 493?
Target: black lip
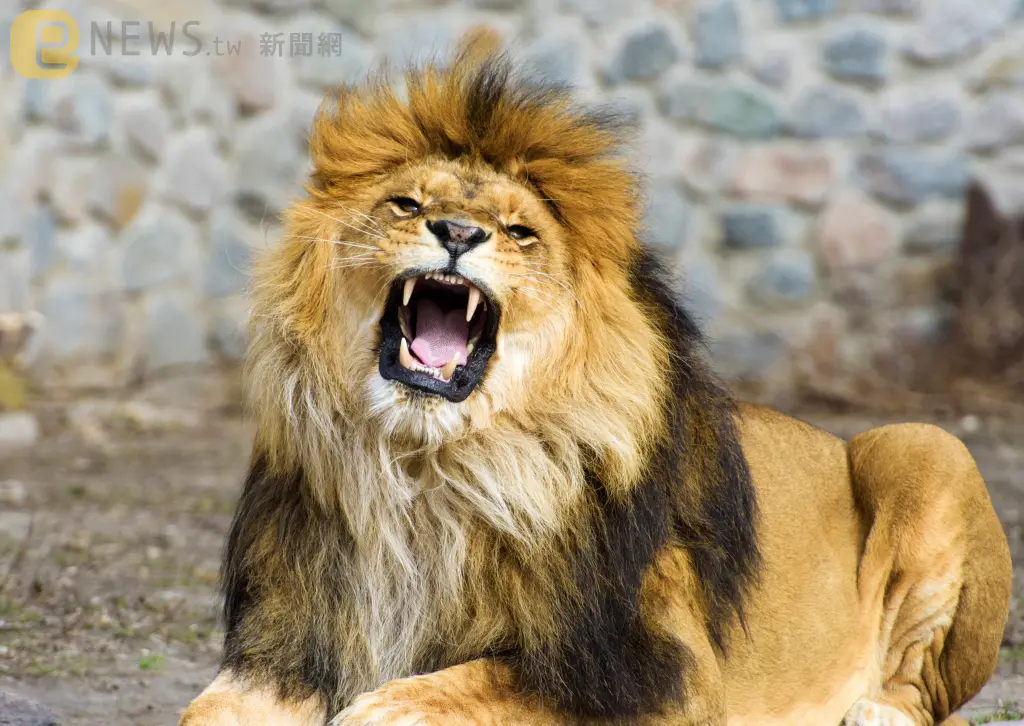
column 466, row 378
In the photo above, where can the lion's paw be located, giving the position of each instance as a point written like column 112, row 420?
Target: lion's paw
column 869, row 713
column 400, row 703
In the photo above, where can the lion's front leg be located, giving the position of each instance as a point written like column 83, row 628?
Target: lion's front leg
column 477, row 693
column 230, row 701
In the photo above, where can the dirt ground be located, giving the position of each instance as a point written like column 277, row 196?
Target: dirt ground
column 109, row 558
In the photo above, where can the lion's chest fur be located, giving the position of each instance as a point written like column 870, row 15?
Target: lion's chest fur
column 439, row 540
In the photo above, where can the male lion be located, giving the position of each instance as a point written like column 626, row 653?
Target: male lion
column 494, row 481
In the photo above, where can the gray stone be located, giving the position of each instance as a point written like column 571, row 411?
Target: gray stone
column 753, row 226
column 69, row 193
column 270, row 168
column 83, row 249
column 772, row 69
column 304, row 107
column 702, row 293
column 827, row 113
column 998, row 123
column 356, row 14
column 28, row 170
column 20, row 430
column 748, row 356
column 602, row 12
column 195, row 94
column 927, row 325
column 645, row 53
column 935, row 229
column 503, row 5
column 280, row 6
column 129, row 71
column 557, row 58
column 37, row 99
column 227, row 271
column 196, row 176
column 175, row 334
column 85, row 111
column 718, row 35
column 158, row 247
column 74, row 315
column 119, row 189
column 249, row 77
column 796, row 11
column 908, row 117
column 666, row 223
column 889, row 7
column 16, row 293
column 416, row 37
column 787, row 278
column 146, row 125
column 856, row 54
column 736, row 110
column 323, row 71
column 905, row 176
column 951, row 29
column 229, row 332
column 40, row 228
column 12, row 211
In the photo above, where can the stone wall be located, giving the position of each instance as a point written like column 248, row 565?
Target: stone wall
column 806, row 162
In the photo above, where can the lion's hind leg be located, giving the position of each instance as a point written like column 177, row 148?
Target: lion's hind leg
column 935, row 571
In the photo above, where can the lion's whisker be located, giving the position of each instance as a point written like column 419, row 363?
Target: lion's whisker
column 324, row 214
column 340, row 243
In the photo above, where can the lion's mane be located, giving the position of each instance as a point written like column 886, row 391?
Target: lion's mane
column 357, row 555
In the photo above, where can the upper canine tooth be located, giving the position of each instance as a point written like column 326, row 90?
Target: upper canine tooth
column 410, row 285
column 449, row 367
column 474, row 300
column 404, row 356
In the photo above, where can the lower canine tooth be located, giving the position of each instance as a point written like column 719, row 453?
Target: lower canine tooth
column 404, row 356
column 449, row 367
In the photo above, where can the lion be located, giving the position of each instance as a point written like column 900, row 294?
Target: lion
column 495, row 481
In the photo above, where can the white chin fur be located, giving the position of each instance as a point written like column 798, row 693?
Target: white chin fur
column 429, row 420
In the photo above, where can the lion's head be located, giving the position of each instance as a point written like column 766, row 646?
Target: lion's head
column 465, row 253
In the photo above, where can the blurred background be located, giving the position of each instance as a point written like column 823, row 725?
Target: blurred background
column 839, row 183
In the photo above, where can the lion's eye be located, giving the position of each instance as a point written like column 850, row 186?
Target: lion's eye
column 519, row 232
column 406, row 205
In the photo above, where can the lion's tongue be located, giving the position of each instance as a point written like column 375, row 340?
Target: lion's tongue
column 440, row 335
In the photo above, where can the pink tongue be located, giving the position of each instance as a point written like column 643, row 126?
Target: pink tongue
column 440, row 335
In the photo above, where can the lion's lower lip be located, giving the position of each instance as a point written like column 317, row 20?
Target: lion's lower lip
column 438, row 334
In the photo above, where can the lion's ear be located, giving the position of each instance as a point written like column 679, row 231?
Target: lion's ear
column 477, row 44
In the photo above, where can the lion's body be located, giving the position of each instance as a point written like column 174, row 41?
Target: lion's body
column 873, row 553
column 571, row 522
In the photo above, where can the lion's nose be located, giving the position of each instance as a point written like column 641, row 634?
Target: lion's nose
column 457, row 238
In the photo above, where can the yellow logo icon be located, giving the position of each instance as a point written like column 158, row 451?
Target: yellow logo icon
column 43, row 44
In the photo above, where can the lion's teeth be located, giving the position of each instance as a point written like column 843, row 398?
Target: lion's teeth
column 474, row 300
column 469, row 349
column 410, row 285
column 449, row 367
column 405, row 357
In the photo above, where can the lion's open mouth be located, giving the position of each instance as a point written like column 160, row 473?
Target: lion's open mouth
column 439, row 333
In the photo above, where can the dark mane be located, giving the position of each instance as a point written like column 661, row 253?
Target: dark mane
column 715, row 518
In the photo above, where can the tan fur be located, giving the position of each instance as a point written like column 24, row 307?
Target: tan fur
column 885, row 574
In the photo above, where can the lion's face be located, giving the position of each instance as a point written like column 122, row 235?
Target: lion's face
column 463, row 252
column 456, row 277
